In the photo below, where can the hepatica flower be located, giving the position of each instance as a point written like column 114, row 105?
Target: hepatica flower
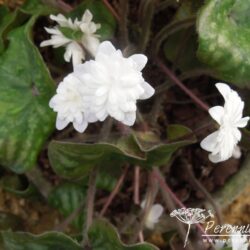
column 110, row 85
column 70, row 104
column 77, row 36
column 154, row 214
column 223, row 143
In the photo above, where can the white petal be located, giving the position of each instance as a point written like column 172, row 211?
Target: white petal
column 106, row 48
column 61, row 124
column 87, row 16
column 140, row 61
column 224, row 89
column 217, row 113
column 155, row 212
column 242, row 122
column 209, row 142
column 237, row 152
column 148, row 91
column 91, row 43
column 129, row 119
column 80, row 127
column 215, row 158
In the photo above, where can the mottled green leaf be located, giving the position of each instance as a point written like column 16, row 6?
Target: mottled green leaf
column 25, row 90
column 46, row 241
column 103, row 236
column 107, row 178
column 36, row 7
column 159, row 153
column 224, row 35
column 73, row 160
column 100, row 15
column 18, row 185
column 67, row 197
column 6, row 19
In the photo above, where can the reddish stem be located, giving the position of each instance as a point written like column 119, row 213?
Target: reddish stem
column 114, row 192
column 137, row 185
column 173, row 77
column 111, row 9
column 165, row 187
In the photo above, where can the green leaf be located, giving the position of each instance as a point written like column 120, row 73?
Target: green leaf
column 36, row 7
column 67, row 197
column 103, row 236
column 6, row 19
column 107, row 178
column 180, row 48
column 224, row 35
column 46, row 241
column 159, row 153
column 74, row 160
column 100, row 15
column 19, row 186
column 25, row 90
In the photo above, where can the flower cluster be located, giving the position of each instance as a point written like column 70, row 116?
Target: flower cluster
column 223, row 143
column 109, row 85
column 153, row 215
column 77, row 36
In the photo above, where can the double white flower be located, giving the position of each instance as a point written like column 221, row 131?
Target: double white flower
column 223, row 143
column 81, row 36
column 110, row 85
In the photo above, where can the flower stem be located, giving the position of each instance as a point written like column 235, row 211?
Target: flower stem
column 173, row 77
column 111, row 9
column 114, row 192
column 89, row 205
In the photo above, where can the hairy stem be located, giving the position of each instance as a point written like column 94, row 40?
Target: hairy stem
column 111, row 9
column 114, row 192
column 36, row 177
column 89, row 205
column 146, row 15
column 201, row 188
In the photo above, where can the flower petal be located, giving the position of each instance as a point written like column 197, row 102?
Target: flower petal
column 209, row 142
column 217, row 113
column 140, row 61
column 215, row 158
column 61, row 124
column 224, row 89
column 106, row 48
column 242, row 122
column 155, row 212
column 148, row 91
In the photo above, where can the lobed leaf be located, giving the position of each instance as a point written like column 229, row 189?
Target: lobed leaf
column 25, row 90
column 224, row 35
column 103, row 236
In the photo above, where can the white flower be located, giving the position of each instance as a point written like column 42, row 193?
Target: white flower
column 70, row 104
column 239, row 242
column 81, row 35
column 223, row 143
column 154, row 214
column 115, row 83
column 109, row 85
